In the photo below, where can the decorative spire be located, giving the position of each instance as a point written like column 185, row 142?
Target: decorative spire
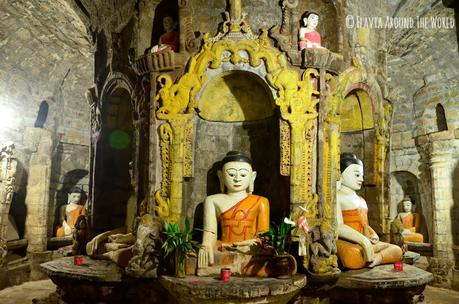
column 235, row 11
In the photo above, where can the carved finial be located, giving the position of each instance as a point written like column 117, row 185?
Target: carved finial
column 235, row 10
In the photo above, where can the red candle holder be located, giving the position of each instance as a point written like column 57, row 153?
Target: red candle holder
column 78, row 260
column 398, row 266
column 225, row 274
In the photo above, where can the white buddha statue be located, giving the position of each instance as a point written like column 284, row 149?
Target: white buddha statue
column 358, row 244
column 308, row 37
column 70, row 212
column 411, row 222
column 242, row 215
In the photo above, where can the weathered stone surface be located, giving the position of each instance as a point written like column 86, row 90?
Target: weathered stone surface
column 238, row 290
column 384, row 277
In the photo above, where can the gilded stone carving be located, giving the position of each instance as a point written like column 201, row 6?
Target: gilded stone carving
column 162, row 195
column 284, row 148
column 188, row 150
column 297, row 99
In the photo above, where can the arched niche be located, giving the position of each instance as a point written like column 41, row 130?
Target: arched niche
column 236, row 96
column 112, row 181
column 358, row 129
column 402, row 184
column 237, row 112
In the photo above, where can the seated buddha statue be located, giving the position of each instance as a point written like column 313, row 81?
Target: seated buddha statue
column 358, row 244
column 242, row 216
column 169, row 41
column 411, row 222
column 70, row 212
column 308, row 37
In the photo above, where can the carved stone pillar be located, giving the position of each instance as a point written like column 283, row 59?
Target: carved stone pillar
column 442, row 202
column 7, row 181
column 37, row 199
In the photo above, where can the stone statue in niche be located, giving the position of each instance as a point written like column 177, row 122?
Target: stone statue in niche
column 70, row 212
column 308, row 37
column 411, row 222
column 169, row 41
column 242, row 217
column 358, row 245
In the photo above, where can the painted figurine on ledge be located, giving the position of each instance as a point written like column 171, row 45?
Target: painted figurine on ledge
column 308, row 37
column 358, row 245
column 70, row 212
column 411, row 222
column 242, row 215
column 169, row 41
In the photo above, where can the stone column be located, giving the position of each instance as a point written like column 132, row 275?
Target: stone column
column 442, row 202
column 37, row 199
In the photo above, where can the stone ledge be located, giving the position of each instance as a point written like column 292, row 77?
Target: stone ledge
column 384, row 277
column 193, row 289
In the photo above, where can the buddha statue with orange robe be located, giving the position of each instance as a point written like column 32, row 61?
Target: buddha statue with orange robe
column 242, row 216
column 358, row 244
column 411, row 222
column 70, row 212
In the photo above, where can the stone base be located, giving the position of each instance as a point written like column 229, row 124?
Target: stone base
column 455, row 282
column 99, row 281
column 381, row 285
column 36, row 258
column 207, row 290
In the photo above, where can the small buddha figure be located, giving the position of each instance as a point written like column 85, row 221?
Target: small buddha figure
column 242, row 215
column 70, row 212
column 308, row 37
column 169, row 41
column 358, row 245
column 411, row 222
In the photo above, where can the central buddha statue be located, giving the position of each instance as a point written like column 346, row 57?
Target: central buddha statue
column 242, row 216
column 358, row 245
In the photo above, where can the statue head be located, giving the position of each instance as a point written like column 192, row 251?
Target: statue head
column 351, row 171
column 407, row 204
column 311, row 20
column 169, row 24
column 236, row 174
column 74, row 196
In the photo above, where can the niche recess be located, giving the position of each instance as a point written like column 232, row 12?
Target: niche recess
column 114, row 152
column 236, row 112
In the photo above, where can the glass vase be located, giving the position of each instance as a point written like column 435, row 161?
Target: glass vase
column 180, row 264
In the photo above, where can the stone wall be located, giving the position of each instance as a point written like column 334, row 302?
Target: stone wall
column 46, row 56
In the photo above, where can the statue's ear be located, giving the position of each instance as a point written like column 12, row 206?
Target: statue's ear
column 220, row 178
column 252, row 181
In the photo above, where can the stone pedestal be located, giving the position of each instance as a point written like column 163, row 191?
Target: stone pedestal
column 100, row 281
column 381, row 285
column 202, row 290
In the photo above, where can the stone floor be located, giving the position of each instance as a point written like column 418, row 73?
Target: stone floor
column 23, row 294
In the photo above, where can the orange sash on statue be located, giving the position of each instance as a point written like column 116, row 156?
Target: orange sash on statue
column 356, row 219
column 245, row 220
column 74, row 214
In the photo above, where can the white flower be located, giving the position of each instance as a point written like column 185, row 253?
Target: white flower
column 289, row 221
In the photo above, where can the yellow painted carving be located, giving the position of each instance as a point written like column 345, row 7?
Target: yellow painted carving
column 296, row 98
column 284, row 148
column 162, row 195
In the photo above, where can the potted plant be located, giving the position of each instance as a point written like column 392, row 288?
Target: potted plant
column 179, row 243
column 279, row 238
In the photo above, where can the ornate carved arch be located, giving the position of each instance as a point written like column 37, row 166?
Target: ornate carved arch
column 295, row 97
